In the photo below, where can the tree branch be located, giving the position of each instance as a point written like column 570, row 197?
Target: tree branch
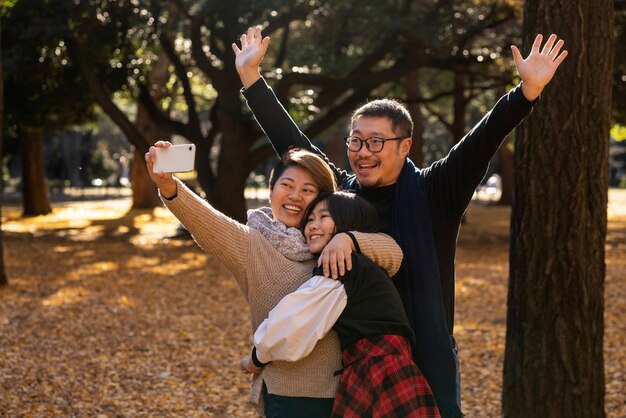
column 181, row 73
column 162, row 121
column 439, row 116
column 103, row 98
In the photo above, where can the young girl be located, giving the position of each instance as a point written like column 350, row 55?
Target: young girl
column 379, row 378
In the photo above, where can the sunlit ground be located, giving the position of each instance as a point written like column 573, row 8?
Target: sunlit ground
column 107, row 316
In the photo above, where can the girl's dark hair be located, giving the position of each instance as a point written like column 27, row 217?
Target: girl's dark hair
column 349, row 212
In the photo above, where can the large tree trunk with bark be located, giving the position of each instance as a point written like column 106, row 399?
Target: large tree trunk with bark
column 34, row 190
column 3, row 275
column 227, row 193
column 505, row 156
column 145, row 194
column 553, row 360
column 144, row 190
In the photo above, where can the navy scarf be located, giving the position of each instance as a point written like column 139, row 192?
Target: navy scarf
column 419, row 273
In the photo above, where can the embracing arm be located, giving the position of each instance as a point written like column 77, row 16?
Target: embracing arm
column 302, row 318
column 380, row 248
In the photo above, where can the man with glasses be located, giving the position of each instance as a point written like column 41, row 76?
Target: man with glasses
column 421, row 208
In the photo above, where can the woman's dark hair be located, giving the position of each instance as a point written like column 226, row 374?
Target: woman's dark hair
column 318, row 168
column 349, row 212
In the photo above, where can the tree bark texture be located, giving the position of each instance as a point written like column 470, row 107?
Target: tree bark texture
column 145, row 194
column 505, row 156
column 553, row 359
column 3, row 275
column 34, row 190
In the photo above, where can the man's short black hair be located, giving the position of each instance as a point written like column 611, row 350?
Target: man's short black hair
column 396, row 112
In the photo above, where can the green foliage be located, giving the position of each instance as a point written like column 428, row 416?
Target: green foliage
column 618, row 132
column 40, row 88
column 5, row 6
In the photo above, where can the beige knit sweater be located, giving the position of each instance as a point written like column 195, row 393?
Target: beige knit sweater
column 265, row 276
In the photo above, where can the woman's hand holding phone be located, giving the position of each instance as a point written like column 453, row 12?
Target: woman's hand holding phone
column 164, row 181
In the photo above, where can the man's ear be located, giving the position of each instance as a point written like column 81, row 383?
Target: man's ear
column 405, row 146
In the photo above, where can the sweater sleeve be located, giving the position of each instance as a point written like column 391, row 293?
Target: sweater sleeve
column 279, row 127
column 216, row 233
column 381, row 249
column 452, row 180
column 301, row 318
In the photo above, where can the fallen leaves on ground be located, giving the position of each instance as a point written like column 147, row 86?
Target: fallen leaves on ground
column 105, row 317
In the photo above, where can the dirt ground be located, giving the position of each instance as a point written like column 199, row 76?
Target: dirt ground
column 104, row 317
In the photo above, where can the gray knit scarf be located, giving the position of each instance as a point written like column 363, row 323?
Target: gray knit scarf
column 289, row 241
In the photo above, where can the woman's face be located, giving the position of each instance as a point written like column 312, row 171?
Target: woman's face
column 292, row 193
column 320, row 228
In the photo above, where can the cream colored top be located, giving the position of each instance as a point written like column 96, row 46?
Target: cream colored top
column 265, row 276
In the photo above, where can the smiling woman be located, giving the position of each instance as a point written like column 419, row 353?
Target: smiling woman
column 295, row 181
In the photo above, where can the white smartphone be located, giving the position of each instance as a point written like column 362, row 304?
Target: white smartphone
column 175, row 159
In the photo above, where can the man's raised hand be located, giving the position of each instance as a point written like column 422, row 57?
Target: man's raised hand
column 539, row 67
column 249, row 57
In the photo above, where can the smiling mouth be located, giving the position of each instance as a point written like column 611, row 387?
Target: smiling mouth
column 314, row 237
column 366, row 165
column 293, row 208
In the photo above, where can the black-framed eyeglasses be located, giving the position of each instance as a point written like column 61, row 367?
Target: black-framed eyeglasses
column 373, row 143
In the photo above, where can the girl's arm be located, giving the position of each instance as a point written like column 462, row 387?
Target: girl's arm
column 302, row 318
column 380, row 248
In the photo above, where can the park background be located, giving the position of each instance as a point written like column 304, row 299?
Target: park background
column 108, row 309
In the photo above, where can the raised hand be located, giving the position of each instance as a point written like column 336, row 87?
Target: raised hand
column 164, row 181
column 539, row 67
column 249, row 57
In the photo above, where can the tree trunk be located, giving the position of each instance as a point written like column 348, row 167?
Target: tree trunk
column 227, row 194
column 459, row 107
column 336, row 149
column 3, row 275
column 505, row 156
column 553, row 359
column 145, row 194
column 416, row 154
column 34, row 191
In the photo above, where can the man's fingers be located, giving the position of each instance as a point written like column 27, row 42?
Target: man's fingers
column 517, row 55
column 264, row 44
column 235, row 48
column 257, row 35
column 560, row 58
column 537, row 43
column 548, row 46
column 555, row 51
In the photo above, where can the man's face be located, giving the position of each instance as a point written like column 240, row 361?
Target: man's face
column 380, row 168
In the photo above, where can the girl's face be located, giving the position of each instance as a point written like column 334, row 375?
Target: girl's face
column 319, row 228
column 291, row 195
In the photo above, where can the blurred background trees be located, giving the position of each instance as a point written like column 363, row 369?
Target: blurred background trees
column 164, row 70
